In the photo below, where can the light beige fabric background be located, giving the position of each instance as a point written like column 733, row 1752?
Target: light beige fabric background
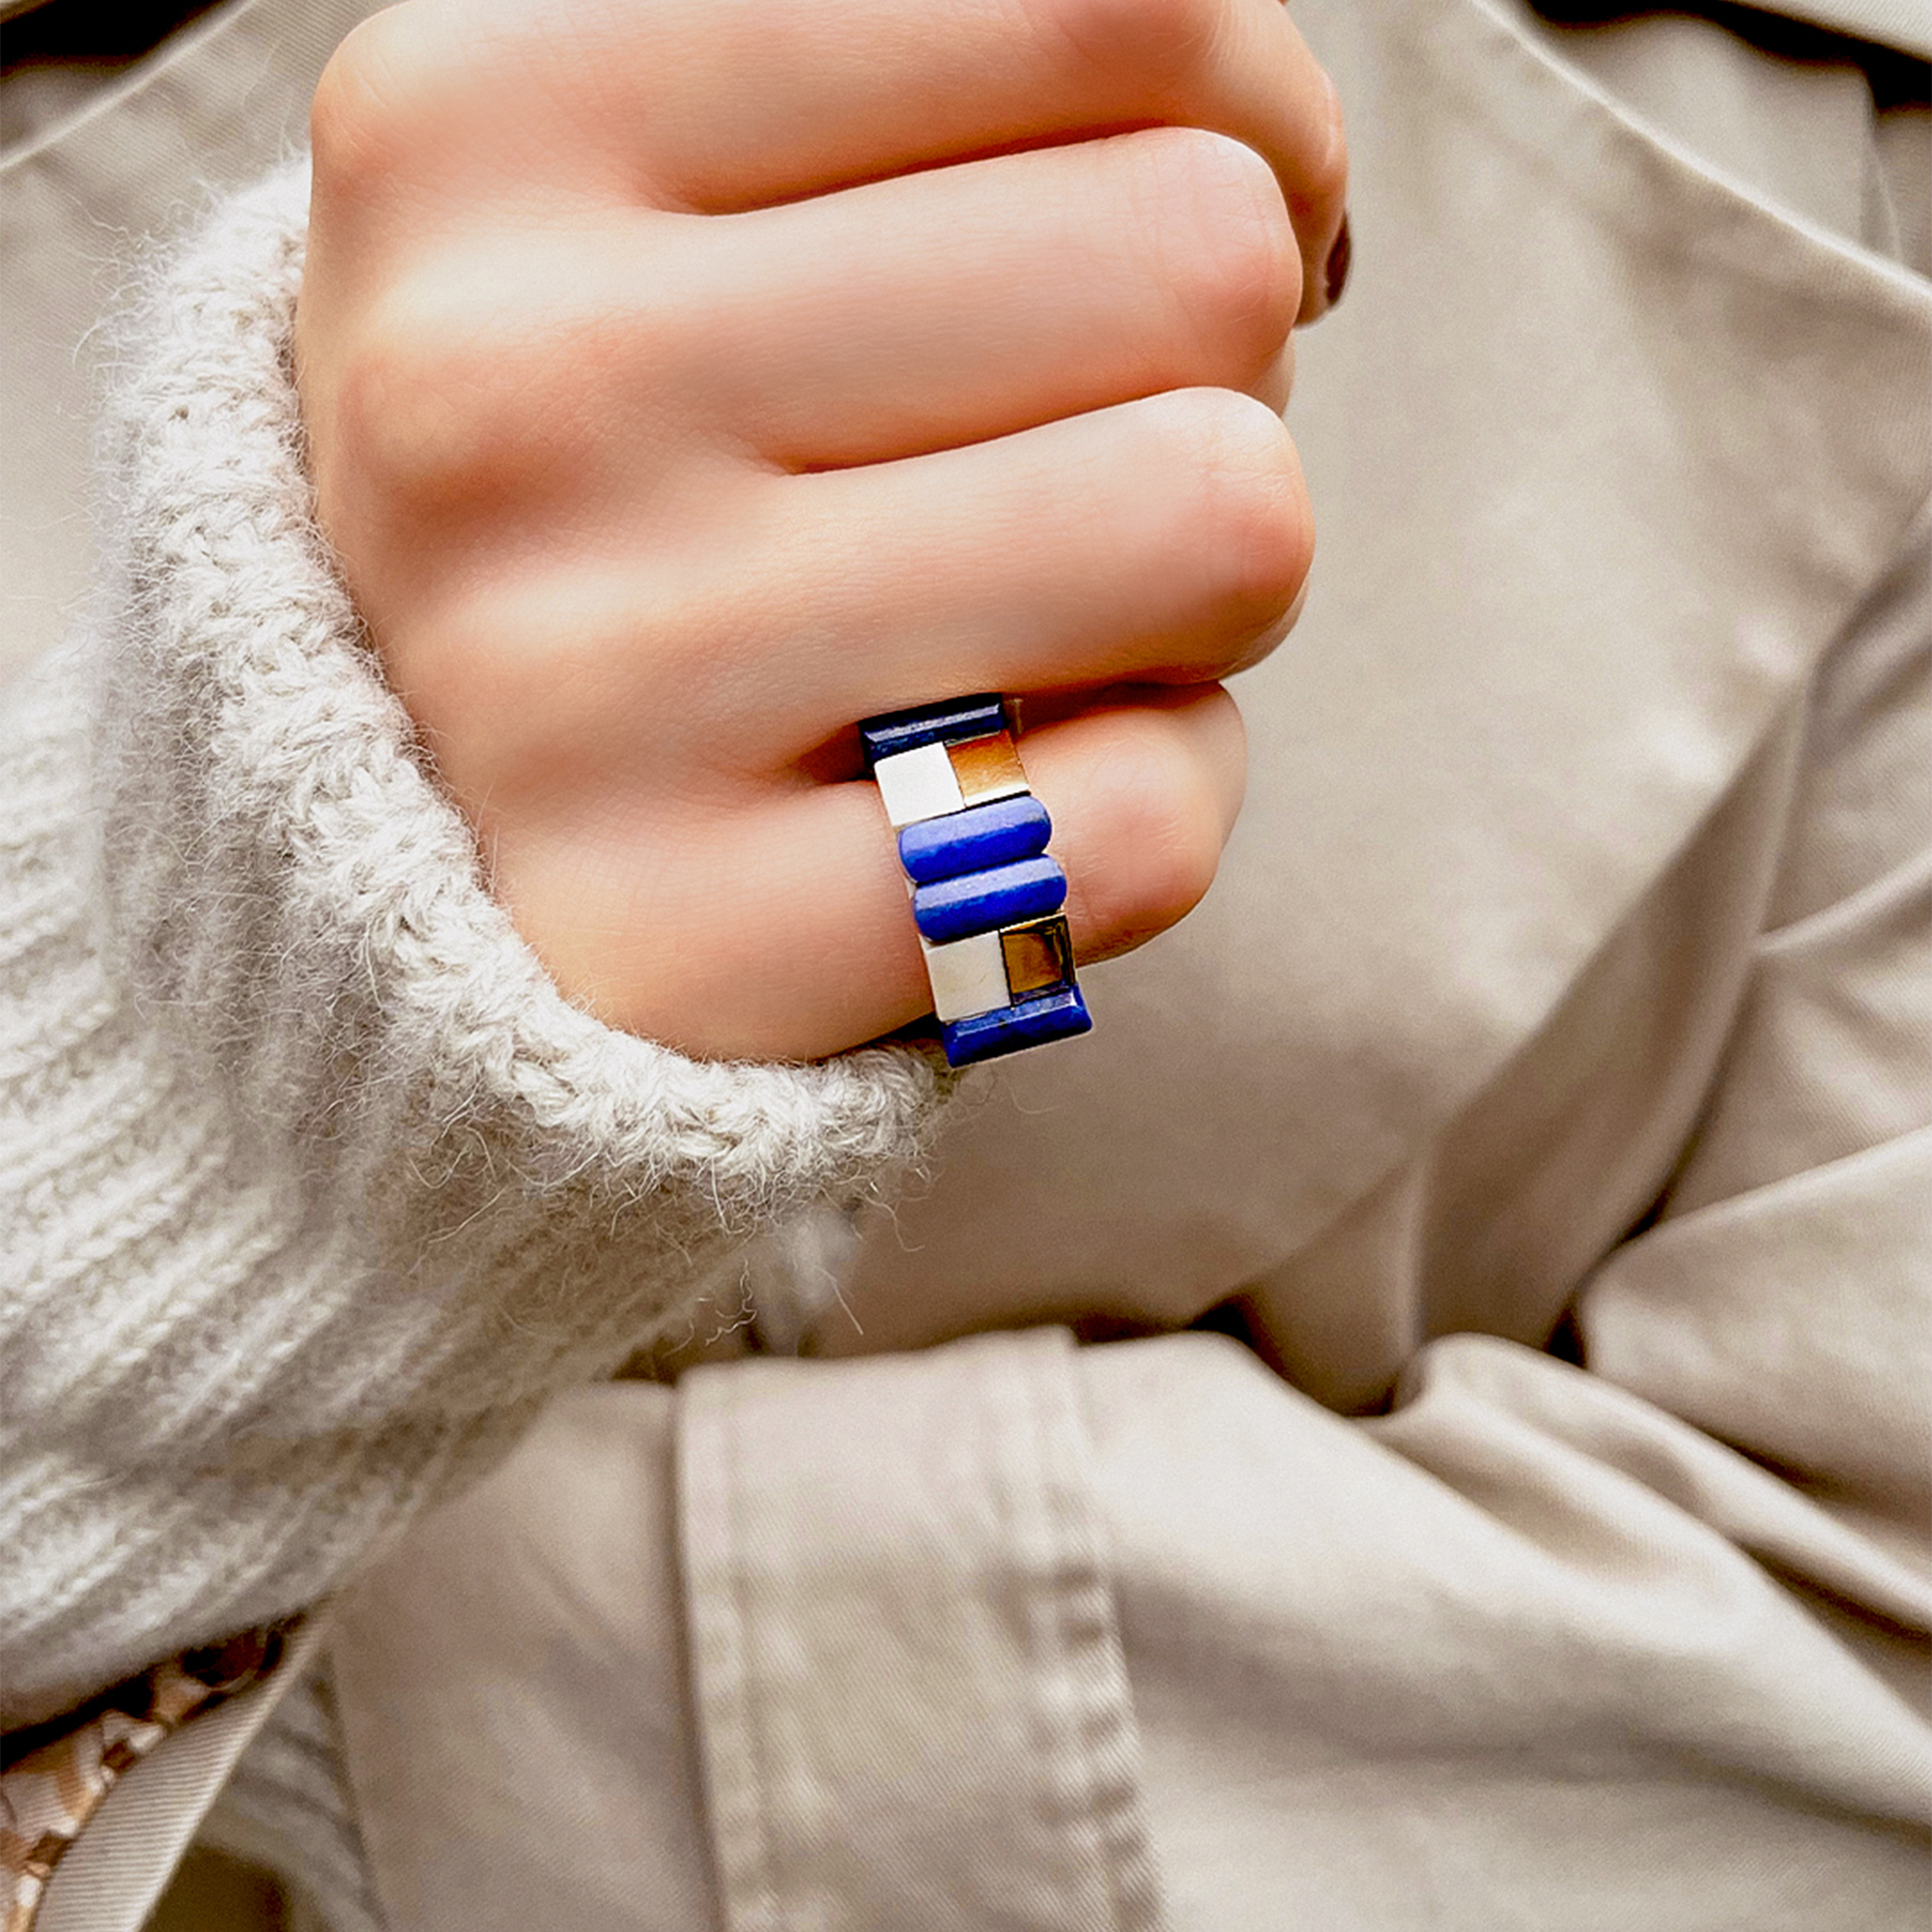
column 138, row 156
column 1589, row 822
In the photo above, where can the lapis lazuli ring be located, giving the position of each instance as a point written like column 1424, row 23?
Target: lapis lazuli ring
column 985, row 896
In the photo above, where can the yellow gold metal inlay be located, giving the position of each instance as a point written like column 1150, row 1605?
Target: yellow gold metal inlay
column 988, row 768
column 1039, row 956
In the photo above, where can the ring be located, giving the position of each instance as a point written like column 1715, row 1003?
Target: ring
column 985, row 896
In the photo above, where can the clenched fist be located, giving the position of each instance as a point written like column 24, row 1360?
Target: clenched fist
column 687, row 379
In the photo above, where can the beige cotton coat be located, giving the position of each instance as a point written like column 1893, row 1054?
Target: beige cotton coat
column 1542, row 1100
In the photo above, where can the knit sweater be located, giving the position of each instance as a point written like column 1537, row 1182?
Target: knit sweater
column 312, row 1186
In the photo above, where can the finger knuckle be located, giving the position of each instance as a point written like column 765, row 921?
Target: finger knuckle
column 410, row 416
column 1230, row 255
column 488, row 685
column 367, row 102
column 454, row 391
column 1243, row 511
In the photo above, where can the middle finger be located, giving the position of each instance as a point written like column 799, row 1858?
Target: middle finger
column 1162, row 540
column 972, row 301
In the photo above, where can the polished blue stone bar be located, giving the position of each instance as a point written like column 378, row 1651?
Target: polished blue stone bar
column 982, row 902
column 976, row 839
column 948, row 724
column 1009, row 1029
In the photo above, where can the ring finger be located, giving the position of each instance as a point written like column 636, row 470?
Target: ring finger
column 784, row 927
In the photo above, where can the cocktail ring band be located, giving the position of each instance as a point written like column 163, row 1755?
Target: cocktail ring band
column 985, row 895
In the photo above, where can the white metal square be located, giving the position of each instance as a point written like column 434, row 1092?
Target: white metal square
column 969, row 976
column 919, row 784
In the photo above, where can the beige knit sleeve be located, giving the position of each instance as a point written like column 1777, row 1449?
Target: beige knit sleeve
column 311, row 1185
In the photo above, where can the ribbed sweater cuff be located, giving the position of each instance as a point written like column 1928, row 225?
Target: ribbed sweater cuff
column 311, row 1184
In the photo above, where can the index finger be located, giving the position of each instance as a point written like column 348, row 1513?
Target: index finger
column 715, row 107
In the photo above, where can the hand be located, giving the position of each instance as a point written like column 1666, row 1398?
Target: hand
column 688, row 379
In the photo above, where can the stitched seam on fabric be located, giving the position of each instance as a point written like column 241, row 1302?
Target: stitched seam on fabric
column 1063, row 1567
column 729, row 1761
column 1100, row 1714
column 1067, row 1630
column 751, row 1701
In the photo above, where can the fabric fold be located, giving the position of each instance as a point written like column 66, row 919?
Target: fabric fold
column 908, row 1677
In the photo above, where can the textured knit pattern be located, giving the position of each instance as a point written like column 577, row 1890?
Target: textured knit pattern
column 311, row 1185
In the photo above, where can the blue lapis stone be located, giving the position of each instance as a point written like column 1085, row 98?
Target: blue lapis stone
column 972, row 840
column 982, row 902
column 1009, row 1029
column 953, row 723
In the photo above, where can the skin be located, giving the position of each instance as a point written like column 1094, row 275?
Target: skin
column 687, row 379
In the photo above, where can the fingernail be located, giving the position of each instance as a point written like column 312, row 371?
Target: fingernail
column 1335, row 277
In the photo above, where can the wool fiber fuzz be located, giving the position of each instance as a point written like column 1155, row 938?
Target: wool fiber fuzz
column 311, row 1184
